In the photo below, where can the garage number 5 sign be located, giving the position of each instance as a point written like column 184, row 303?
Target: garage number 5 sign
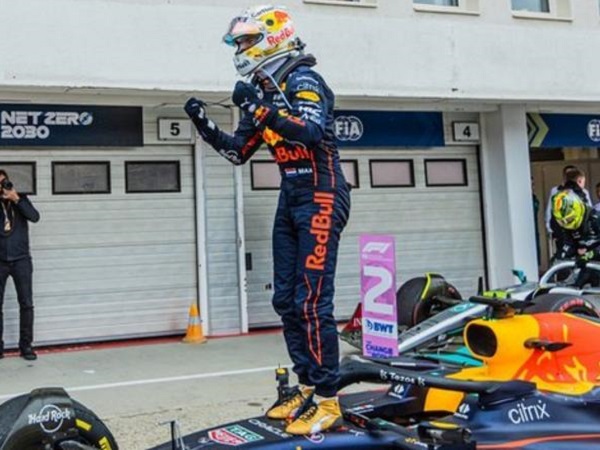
column 378, row 295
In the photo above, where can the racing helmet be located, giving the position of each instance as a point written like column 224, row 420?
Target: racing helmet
column 261, row 34
column 568, row 209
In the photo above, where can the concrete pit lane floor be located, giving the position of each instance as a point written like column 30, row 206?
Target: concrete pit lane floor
column 135, row 387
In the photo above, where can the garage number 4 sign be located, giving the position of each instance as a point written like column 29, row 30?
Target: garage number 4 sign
column 465, row 132
column 378, row 295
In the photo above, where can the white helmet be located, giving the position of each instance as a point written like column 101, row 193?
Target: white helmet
column 261, row 34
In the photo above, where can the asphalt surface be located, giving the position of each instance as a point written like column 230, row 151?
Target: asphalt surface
column 135, row 388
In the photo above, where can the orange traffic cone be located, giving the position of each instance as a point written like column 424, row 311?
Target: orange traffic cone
column 194, row 333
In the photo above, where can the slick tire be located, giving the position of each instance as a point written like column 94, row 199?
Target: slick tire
column 92, row 431
column 9, row 412
column 411, row 309
column 568, row 303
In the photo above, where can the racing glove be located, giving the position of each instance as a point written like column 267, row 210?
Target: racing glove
column 565, row 252
column 246, row 98
column 196, row 110
column 582, row 260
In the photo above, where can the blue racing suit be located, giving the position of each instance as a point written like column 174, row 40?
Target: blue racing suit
column 313, row 208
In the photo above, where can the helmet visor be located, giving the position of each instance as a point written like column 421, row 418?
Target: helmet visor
column 242, row 33
column 571, row 222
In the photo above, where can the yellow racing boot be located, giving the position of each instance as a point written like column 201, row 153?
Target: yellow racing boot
column 287, row 406
column 317, row 417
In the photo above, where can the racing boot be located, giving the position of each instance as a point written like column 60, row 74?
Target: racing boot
column 287, row 405
column 317, row 417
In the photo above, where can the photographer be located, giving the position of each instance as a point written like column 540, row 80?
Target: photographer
column 15, row 260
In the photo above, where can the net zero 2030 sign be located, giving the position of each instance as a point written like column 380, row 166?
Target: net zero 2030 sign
column 24, row 125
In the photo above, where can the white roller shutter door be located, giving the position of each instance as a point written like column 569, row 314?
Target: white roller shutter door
column 109, row 265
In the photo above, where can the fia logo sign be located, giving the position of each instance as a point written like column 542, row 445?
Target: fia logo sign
column 593, row 130
column 348, row 128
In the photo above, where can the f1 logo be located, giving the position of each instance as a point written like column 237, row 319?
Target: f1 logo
column 376, row 247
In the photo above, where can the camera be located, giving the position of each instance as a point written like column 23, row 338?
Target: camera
column 6, row 184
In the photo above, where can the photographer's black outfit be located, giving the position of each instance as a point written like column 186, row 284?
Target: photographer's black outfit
column 15, row 261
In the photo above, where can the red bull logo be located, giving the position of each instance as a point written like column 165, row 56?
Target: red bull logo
column 261, row 113
column 282, row 151
column 277, row 38
column 271, row 137
column 573, row 364
column 320, row 229
column 557, row 351
column 284, row 154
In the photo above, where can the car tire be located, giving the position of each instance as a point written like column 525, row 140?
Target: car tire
column 92, row 431
column 567, row 303
column 9, row 412
column 411, row 308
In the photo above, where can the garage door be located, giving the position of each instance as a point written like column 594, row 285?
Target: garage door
column 428, row 199
column 114, row 252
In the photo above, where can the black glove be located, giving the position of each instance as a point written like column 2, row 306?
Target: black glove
column 245, row 96
column 582, row 260
column 196, row 109
column 565, row 252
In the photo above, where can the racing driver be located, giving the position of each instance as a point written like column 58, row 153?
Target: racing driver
column 289, row 107
column 580, row 226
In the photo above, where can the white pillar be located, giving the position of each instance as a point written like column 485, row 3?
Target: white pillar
column 241, row 236
column 201, row 247
column 508, row 207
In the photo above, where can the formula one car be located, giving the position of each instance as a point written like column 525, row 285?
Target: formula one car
column 432, row 314
column 537, row 388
